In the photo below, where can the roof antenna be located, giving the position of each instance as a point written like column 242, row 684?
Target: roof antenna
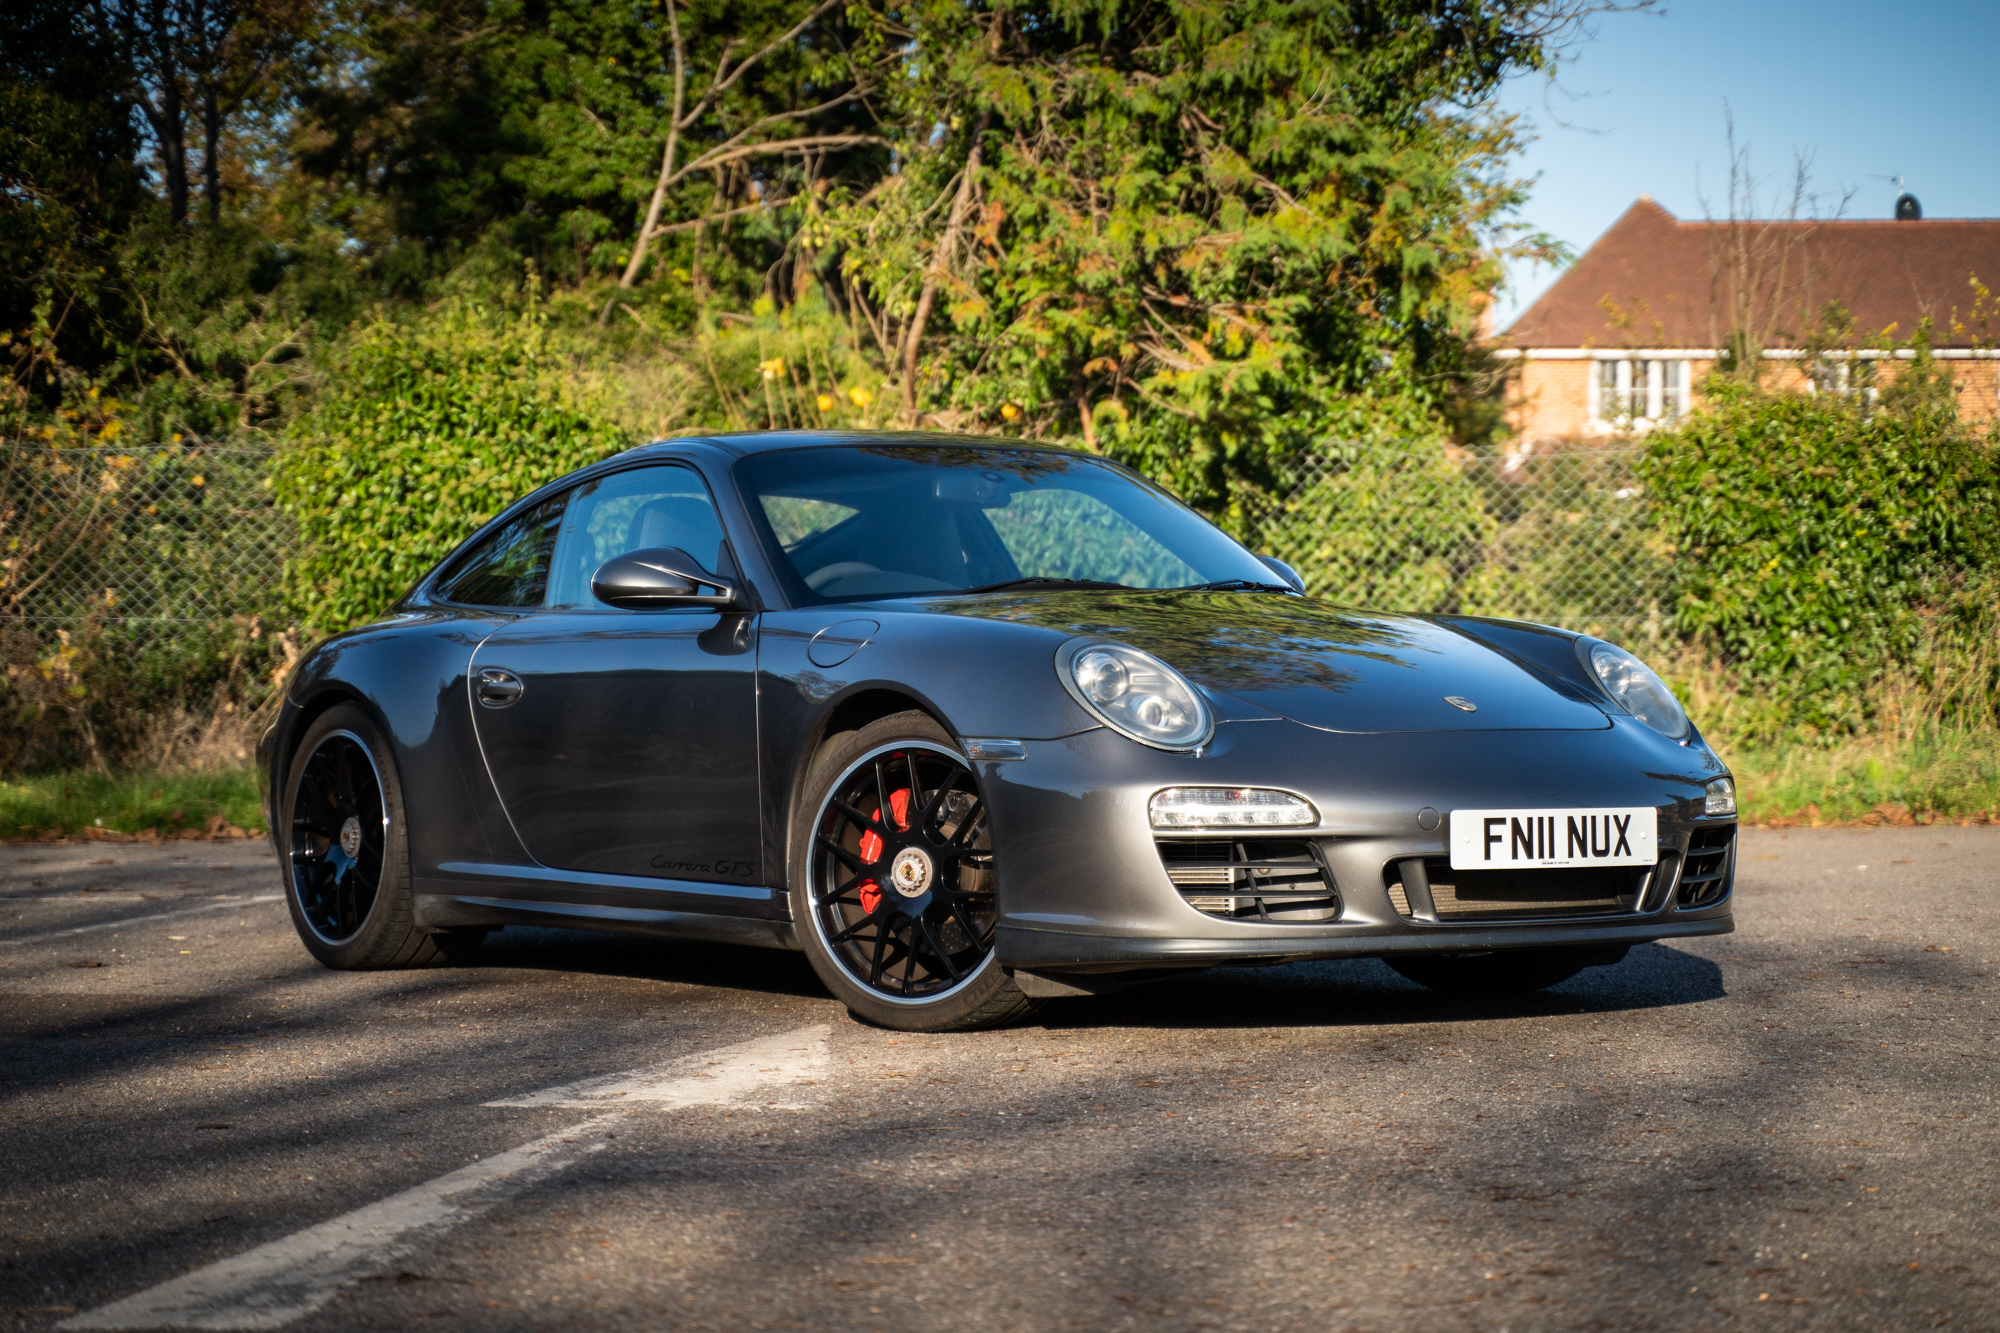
column 1907, row 207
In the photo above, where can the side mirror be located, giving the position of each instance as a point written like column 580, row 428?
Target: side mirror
column 1285, row 572
column 659, row 576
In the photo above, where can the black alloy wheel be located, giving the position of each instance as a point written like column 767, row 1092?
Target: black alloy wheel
column 897, row 898
column 345, row 851
column 340, row 826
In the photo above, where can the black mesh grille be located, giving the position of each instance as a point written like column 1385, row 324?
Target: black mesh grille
column 1706, row 877
column 1280, row 880
column 1506, row 895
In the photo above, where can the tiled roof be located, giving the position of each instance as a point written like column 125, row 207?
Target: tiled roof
column 1655, row 281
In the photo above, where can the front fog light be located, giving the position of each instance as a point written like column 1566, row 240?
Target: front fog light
column 1721, row 798
column 1230, row 807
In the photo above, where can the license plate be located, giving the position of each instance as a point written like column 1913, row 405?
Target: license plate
column 1551, row 839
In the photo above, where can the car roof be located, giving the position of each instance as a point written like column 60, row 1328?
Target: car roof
column 741, row 443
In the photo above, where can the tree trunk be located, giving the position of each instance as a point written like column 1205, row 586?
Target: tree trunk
column 170, row 127
column 211, row 157
column 947, row 243
column 667, row 154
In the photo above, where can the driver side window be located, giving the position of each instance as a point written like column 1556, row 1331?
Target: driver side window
column 643, row 507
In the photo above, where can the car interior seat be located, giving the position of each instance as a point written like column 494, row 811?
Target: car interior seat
column 921, row 540
column 685, row 521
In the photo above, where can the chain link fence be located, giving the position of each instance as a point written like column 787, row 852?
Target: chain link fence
column 140, row 588
column 1561, row 538
column 145, row 539
column 140, row 615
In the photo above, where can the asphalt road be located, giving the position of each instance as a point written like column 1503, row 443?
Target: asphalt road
column 1790, row 1127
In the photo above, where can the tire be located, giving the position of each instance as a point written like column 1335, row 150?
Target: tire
column 896, row 914
column 343, row 841
column 1507, row 972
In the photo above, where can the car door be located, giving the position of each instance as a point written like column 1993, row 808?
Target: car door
column 620, row 741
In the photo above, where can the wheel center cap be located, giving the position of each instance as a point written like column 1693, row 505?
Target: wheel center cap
column 350, row 836
column 910, row 872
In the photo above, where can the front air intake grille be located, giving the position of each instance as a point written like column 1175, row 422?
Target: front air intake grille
column 1706, row 878
column 1282, row 881
column 1511, row 895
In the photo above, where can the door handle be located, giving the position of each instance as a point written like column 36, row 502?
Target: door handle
column 496, row 688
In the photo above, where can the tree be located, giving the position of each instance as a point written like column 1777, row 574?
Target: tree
column 199, row 59
column 759, row 136
column 68, row 189
column 1187, row 230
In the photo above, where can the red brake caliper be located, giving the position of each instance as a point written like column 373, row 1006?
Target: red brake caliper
column 871, row 845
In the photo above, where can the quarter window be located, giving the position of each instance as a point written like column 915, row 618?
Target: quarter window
column 510, row 568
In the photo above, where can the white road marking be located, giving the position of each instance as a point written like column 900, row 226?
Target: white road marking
column 274, row 1284
column 141, row 920
column 731, row 1075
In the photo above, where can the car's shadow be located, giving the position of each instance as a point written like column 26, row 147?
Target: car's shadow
column 649, row 958
column 1364, row 991
column 1359, row 992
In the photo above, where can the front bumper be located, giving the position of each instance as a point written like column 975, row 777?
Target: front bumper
column 1082, row 887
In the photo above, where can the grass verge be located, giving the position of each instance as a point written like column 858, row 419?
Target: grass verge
column 1936, row 774
column 144, row 805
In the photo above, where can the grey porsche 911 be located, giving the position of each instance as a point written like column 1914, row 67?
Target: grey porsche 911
column 973, row 724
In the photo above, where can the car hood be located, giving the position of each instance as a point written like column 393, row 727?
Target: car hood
column 1323, row 666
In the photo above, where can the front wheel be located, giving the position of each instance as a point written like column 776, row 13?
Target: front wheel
column 345, row 850
column 893, row 883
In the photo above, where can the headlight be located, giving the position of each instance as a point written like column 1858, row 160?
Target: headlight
column 1637, row 690
column 1230, row 807
column 1721, row 798
column 1135, row 693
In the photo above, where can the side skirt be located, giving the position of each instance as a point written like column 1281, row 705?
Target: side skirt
column 469, row 894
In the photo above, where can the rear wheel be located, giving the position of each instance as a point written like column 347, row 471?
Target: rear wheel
column 345, row 849
column 893, row 882
column 1507, row 972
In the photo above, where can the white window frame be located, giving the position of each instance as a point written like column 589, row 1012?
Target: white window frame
column 1659, row 385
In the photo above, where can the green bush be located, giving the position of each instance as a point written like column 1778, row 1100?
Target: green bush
column 1817, row 547
column 427, row 431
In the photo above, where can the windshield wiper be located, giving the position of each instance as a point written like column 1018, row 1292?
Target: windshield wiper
column 1040, row 583
column 1237, row 585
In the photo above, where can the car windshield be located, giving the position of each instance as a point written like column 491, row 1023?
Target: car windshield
column 907, row 520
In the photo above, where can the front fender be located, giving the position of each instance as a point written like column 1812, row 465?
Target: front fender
column 977, row 677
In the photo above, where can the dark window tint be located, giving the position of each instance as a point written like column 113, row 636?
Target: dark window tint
column 510, row 568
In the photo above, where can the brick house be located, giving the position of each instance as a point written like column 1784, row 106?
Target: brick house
column 1621, row 341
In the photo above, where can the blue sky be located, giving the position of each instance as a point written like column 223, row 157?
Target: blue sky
column 1864, row 89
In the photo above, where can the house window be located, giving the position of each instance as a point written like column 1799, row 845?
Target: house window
column 1639, row 393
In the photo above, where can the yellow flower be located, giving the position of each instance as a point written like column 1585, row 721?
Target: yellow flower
column 860, row 396
column 201, row 481
column 772, row 368
column 1008, row 411
column 826, row 401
